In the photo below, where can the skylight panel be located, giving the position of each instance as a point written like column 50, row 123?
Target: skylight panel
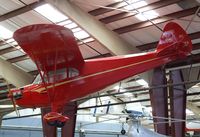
column 10, row 40
column 63, row 23
column 51, row 13
column 76, row 30
column 86, row 40
column 81, row 34
column 135, row 5
column 5, row 33
column 133, row 1
column 147, row 15
column 71, row 25
column 142, row 82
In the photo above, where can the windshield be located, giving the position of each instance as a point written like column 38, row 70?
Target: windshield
column 37, row 80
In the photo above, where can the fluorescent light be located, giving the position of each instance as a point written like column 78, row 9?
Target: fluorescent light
column 147, row 15
column 142, row 82
column 51, row 13
column 5, row 33
column 135, row 5
column 81, row 34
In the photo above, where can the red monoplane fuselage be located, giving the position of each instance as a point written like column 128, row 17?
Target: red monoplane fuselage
column 96, row 74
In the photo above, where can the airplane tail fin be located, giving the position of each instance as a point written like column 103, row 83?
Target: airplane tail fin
column 174, row 39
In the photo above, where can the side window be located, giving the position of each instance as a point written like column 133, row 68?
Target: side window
column 59, row 75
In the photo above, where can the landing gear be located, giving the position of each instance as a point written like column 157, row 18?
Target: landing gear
column 51, row 123
column 56, row 123
column 60, row 124
column 55, row 119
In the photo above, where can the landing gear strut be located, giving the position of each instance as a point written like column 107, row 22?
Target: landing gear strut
column 55, row 119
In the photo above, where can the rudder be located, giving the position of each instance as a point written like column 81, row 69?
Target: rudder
column 174, row 39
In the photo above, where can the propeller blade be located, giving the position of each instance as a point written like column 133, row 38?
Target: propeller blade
column 10, row 95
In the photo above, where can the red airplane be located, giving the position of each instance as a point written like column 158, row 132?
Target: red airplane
column 65, row 75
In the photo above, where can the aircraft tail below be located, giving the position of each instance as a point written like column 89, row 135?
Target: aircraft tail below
column 174, row 39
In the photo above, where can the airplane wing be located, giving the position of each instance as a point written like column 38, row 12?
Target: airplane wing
column 49, row 46
column 137, row 130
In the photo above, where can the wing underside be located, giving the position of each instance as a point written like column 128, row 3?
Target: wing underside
column 49, row 46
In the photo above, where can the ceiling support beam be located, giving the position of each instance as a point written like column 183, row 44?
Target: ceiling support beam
column 100, row 11
column 21, row 10
column 192, row 59
column 95, row 28
column 152, row 6
column 7, row 50
column 19, row 58
column 153, row 45
column 14, row 75
column 158, row 20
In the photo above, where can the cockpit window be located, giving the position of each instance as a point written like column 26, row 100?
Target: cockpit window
column 72, row 72
column 58, row 75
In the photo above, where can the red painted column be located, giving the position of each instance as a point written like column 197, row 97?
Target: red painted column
column 159, row 101
column 48, row 131
column 70, row 111
column 177, row 104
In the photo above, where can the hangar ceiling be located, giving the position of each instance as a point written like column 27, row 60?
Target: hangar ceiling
column 105, row 28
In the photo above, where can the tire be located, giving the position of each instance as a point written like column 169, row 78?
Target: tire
column 123, row 132
column 60, row 124
column 52, row 123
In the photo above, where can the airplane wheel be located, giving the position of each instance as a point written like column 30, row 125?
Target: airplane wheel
column 52, row 123
column 123, row 132
column 60, row 124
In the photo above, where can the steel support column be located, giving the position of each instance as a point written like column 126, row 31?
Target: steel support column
column 48, row 131
column 69, row 128
column 1, row 116
column 159, row 102
column 177, row 104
